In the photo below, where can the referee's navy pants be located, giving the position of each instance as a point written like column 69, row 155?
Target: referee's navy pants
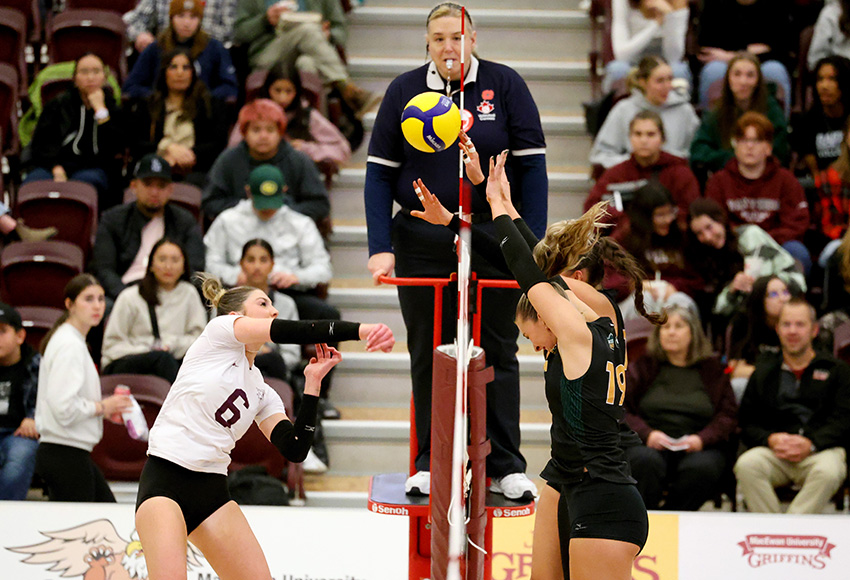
column 425, row 250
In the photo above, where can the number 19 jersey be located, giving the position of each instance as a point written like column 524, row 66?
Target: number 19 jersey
column 212, row 403
column 587, row 411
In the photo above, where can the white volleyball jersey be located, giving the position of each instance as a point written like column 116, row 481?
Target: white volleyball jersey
column 212, row 403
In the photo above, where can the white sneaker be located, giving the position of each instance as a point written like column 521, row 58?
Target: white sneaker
column 312, row 464
column 515, row 486
column 418, row 484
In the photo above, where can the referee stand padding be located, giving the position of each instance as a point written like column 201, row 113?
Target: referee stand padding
column 429, row 526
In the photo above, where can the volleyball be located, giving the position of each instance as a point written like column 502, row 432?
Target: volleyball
column 430, row 122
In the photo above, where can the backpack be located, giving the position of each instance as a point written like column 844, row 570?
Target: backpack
column 252, row 485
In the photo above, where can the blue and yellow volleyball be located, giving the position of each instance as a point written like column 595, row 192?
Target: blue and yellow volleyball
column 430, row 122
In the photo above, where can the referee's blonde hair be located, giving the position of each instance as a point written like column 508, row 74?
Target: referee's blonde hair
column 222, row 299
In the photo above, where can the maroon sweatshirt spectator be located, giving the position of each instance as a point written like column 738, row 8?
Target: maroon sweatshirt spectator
column 647, row 162
column 755, row 189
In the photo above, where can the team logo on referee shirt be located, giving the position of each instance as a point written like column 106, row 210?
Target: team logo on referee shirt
column 485, row 108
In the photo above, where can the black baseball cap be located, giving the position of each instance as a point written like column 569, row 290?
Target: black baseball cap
column 152, row 165
column 10, row 316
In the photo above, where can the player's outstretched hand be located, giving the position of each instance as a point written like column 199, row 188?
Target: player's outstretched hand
column 377, row 337
column 470, row 159
column 495, row 182
column 435, row 213
column 326, row 358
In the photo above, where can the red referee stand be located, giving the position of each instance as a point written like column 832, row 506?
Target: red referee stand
column 429, row 526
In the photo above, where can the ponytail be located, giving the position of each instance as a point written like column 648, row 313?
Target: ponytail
column 613, row 253
column 224, row 301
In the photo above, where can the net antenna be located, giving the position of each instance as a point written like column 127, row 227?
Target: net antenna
column 457, row 527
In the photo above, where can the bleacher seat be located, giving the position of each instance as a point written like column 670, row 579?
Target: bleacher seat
column 120, row 457
column 9, row 91
column 638, row 331
column 255, row 449
column 185, row 195
column 73, row 33
column 120, row 7
column 841, row 342
column 35, row 273
column 69, row 206
column 13, row 39
column 32, row 14
column 37, row 321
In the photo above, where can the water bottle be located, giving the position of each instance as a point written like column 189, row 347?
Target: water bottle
column 134, row 419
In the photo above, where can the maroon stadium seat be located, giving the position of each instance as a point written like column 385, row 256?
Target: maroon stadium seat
column 73, row 33
column 37, row 321
column 841, row 342
column 637, row 331
column 118, row 6
column 9, row 90
column 32, row 14
column 69, row 206
column 35, row 273
column 120, row 457
column 13, row 39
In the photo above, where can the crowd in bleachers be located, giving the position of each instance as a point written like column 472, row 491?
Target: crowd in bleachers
column 725, row 157
column 723, row 152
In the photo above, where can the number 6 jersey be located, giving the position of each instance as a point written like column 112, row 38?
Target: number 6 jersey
column 586, row 412
column 212, row 403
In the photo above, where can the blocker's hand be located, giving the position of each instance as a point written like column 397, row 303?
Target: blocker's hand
column 470, row 159
column 435, row 213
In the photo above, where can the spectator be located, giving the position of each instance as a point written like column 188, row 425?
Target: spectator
column 70, row 409
column 78, row 133
column 793, row 420
column 307, row 130
column 256, row 267
column 755, row 189
column 651, row 87
column 210, row 59
column 832, row 212
column 272, row 36
column 743, row 90
column 837, row 285
column 19, row 364
column 655, row 241
column 681, row 405
column 150, row 17
column 731, row 262
column 154, row 322
column 126, row 234
column 646, row 162
column 180, row 121
column 832, row 33
column 263, row 125
column 752, row 331
column 301, row 261
column 647, row 27
column 10, row 225
column 820, row 132
column 280, row 360
column 759, row 27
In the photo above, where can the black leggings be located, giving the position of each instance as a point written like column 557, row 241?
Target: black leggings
column 70, row 474
column 156, row 362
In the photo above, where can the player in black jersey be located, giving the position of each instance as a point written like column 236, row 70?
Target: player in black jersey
column 551, row 530
column 585, row 389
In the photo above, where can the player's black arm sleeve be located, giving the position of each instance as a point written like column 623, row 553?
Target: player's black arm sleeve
column 294, row 441
column 313, row 331
column 518, row 255
column 526, row 233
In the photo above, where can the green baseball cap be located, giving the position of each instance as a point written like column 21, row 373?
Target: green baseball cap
column 267, row 187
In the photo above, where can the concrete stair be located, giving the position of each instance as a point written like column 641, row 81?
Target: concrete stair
column 546, row 43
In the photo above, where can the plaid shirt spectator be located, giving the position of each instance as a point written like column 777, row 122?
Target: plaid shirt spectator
column 152, row 16
column 833, row 208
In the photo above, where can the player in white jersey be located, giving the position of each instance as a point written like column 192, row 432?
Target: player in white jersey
column 217, row 394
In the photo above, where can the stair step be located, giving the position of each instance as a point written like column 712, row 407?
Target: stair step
column 535, row 34
column 368, row 447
